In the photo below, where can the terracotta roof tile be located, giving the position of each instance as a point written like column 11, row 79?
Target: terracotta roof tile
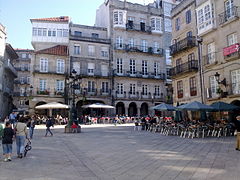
column 55, row 19
column 56, row 50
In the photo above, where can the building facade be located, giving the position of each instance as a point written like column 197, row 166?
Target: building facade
column 22, row 88
column 50, row 60
column 185, row 72
column 137, row 56
column 218, row 25
column 89, row 55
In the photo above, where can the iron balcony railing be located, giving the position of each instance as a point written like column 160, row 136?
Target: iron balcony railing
column 22, row 81
column 89, row 39
column 94, row 74
column 210, row 58
column 139, row 95
column 25, row 68
column 48, row 70
column 189, row 66
column 140, row 49
column 228, row 14
column 89, row 92
column 183, row 44
column 139, row 74
column 138, row 27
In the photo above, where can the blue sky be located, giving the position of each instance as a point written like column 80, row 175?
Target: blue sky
column 15, row 15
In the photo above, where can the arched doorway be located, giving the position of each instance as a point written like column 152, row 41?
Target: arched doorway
column 120, row 108
column 132, row 110
column 144, row 109
column 41, row 111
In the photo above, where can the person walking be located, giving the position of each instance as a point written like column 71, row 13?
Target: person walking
column 12, row 118
column 31, row 125
column 7, row 140
column 237, row 124
column 21, row 135
column 49, row 123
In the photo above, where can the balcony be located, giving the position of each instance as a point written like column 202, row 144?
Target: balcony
column 58, row 93
column 8, row 66
column 210, row 59
column 231, row 52
column 24, row 68
column 187, row 43
column 187, row 67
column 96, row 93
column 228, row 15
column 138, row 27
column 22, row 81
column 88, row 38
column 43, row 92
column 139, row 74
column 48, row 70
column 95, row 74
column 139, row 49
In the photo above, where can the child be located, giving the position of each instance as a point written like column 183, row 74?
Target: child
column 7, row 141
column 74, row 128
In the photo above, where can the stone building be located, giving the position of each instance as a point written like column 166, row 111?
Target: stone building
column 50, row 61
column 218, row 25
column 89, row 56
column 137, row 56
column 7, row 74
column 22, row 88
column 184, row 50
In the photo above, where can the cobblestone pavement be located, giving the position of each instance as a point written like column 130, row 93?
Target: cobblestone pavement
column 123, row 154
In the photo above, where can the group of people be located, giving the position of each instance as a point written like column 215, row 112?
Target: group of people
column 19, row 128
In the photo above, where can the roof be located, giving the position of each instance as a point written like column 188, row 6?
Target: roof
column 60, row 50
column 11, row 51
column 53, row 19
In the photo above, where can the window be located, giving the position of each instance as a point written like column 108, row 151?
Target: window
column 193, row 86
column 119, row 66
column 144, row 67
column 156, row 48
column 59, row 32
column 119, row 42
column 104, row 51
column 49, row 33
column 91, row 50
column 144, row 89
column 207, row 12
column 168, row 25
column 76, row 67
column 188, row 16
column 118, row 18
column 22, row 102
column 60, row 66
column 179, row 65
column 34, row 31
column 39, row 31
column 24, row 55
column 22, row 91
column 229, row 11
column 156, row 24
column 177, row 24
column 156, row 68
column 77, row 33
column 65, row 33
column 180, row 89
column 104, row 69
column 91, row 67
column 91, row 86
column 42, row 84
column 105, row 87
column 119, row 88
column 53, row 33
column 132, row 90
column 210, row 53
column 168, row 57
column 44, row 33
column 28, row 79
column 157, row 91
column 144, row 45
column 95, row 35
column 232, row 39
column 132, row 66
column 131, row 42
column 200, row 16
column 213, row 86
column 22, row 80
column 189, row 34
column 43, row 65
column 191, row 57
column 235, row 75
column 59, row 85
column 77, row 49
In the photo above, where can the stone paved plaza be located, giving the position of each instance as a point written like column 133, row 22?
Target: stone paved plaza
column 123, row 154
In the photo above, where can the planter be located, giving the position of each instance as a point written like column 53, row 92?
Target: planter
column 71, row 130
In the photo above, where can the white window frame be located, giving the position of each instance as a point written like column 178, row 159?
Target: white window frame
column 156, row 68
column 119, row 66
column 157, row 91
column 232, row 39
column 156, row 24
column 77, row 49
column 213, row 86
column 42, row 84
column 59, row 85
column 144, row 89
column 91, row 86
column 105, row 87
column 144, row 67
column 43, row 65
column 235, row 79
column 120, row 88
column 132, row 66
column 119, row 42
column 211, row 53
column 132, row 89
column 60, row 68
column 91, row 50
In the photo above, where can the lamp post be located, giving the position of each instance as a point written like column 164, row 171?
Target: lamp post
column 223, row 82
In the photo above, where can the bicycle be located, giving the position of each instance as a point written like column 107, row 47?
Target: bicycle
column 28, row 147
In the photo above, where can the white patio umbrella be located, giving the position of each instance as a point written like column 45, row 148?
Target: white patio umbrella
column 53, row 105
column 98, row 105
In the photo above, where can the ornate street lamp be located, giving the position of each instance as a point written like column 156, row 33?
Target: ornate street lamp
column 223, row 82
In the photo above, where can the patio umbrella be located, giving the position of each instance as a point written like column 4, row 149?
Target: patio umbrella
column 222, row 106
column 98, row 105
column 53, row 105
column 164, row 107
column 195, row 106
